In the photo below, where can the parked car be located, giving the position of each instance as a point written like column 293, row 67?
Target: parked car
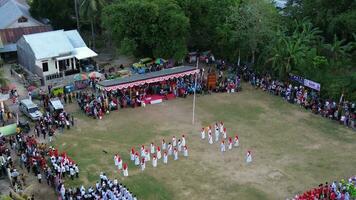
column 88, row 68
column 55, row 105
column 30, row 109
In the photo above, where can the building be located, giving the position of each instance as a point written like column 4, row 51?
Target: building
column 15, row 21
column 53, row 55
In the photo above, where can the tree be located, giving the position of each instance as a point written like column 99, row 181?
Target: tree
column 90, row 10
column 339, row 49
column 60, row 13
column 251, row 24
column 156, row 28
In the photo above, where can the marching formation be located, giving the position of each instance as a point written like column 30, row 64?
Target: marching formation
column 158, row 152
column 221, row 136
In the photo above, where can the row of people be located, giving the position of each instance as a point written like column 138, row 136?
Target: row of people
column 337, row 190
column 104, row 189
column 342, row 111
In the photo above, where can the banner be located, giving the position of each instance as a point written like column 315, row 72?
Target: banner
column 296, row 78
column 312, row 84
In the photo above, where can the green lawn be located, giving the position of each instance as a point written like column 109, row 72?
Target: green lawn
column 293, row 149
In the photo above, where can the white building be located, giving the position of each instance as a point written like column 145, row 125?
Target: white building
column 54, row 54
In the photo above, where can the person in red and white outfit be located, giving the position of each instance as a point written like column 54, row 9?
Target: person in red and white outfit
column 230, row 143
column 224, row 134
column 248, row 157
column 210, row 138
column 147, row 155
column 159, row 155
column 126, row 170
column 174, row 141
column 236, row 141
column 142, row 150
column 132, row 154
column 137, row 159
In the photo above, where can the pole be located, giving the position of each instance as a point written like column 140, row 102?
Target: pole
column 195, row 88
column 76, row 14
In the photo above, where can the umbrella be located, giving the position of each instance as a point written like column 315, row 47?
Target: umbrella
column 160, row 61
column 80, row 77
column 95, row 75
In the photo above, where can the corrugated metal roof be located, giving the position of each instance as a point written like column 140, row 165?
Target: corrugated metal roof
column 54, row 43
column 140, row 77
column 8, row 48
column 11, row 11
column 49, row 44
column 75, row 38
column 12, row 35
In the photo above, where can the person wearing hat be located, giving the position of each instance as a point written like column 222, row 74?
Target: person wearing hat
column 142, row 150
column 224, row 134
column 132, row 154
column 159, row 155
column 126, row 170
column 119, row 162
column 230, row 143
column 236, row 141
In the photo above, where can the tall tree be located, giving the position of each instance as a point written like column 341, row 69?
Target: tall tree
column 90, row 10
column 147, row 28
column 60, row 13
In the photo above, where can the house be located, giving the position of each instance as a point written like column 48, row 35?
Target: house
column 54, row 54
column 15, row 21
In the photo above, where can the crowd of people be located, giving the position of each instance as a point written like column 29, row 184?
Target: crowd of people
column 105, row 189
column 337, row 190
column 341, row 111
column 158, row 152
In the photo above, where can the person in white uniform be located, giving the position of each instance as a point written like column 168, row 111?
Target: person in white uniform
column 222, row 146
column 185, row 151
column 175, row 152
column 202, row 132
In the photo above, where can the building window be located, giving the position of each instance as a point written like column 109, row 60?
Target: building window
column 45, row 66
column 22, row 20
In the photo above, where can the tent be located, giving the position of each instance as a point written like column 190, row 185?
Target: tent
column 152, row 77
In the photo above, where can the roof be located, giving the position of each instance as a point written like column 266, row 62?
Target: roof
column 12, row 10
column 83, row 53
column 12, row 35
column 56, row 103
column 58, row 44
column 152, row 77
column 28, row 103
column 75, row 38
column 8, row 48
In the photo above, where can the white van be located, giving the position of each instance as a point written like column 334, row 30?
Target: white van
column 30, row 109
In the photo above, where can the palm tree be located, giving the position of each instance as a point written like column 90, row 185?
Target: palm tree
column 90, row 9
column 338, row 49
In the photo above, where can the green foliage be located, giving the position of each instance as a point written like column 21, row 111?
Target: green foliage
column 60, row 13
column 156, row 28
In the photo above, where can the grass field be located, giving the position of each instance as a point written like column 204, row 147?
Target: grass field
column 293, row 149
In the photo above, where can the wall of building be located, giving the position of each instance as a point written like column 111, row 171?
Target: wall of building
column 51, row 66
column 26, row 58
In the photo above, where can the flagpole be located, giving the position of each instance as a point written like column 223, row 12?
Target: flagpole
column 195, row 88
